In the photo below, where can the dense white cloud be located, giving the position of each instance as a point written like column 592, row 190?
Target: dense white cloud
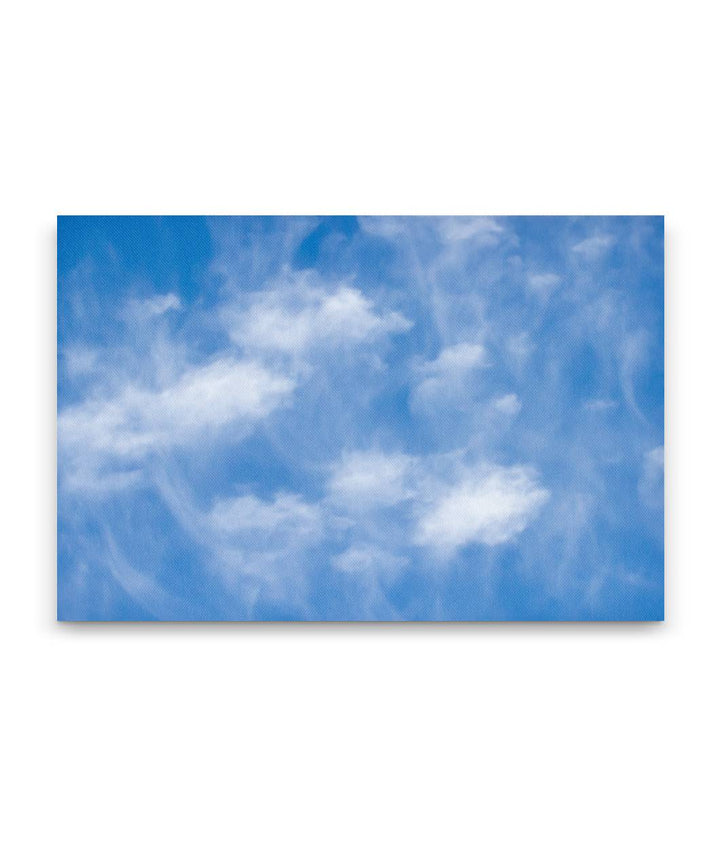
column 297, row 316
column 138, row 420
column 488, row 507
column 449, row 504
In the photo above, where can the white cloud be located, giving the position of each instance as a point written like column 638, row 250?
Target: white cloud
column 509, row 405
column 207, row 398
column 456, row 359
column 449, row 503
column 450, row 234
column 214, row 395
column 592, row 248
column 245, row 536
column 481, row 230
column 246, row 513
column 139, row 420
column 296, row 317
column 449, row 373
column 489, row 507
column 367, row 479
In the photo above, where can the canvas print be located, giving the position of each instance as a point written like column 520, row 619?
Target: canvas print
column 360, row 418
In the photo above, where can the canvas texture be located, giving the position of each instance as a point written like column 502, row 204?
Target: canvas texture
column 360, row 418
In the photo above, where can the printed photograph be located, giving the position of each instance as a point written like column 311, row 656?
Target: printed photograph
column 360, row 418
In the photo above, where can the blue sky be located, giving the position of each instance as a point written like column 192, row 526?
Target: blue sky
column 360, row 418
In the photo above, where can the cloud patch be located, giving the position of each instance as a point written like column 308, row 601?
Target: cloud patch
column 137, row 420
column 449, row 374
column 489, row 507
column 508, row 405
column 368, row 479
column 592, row 248
column 297, row 317
column 139, row 311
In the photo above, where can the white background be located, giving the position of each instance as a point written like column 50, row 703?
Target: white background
column 359, row 739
